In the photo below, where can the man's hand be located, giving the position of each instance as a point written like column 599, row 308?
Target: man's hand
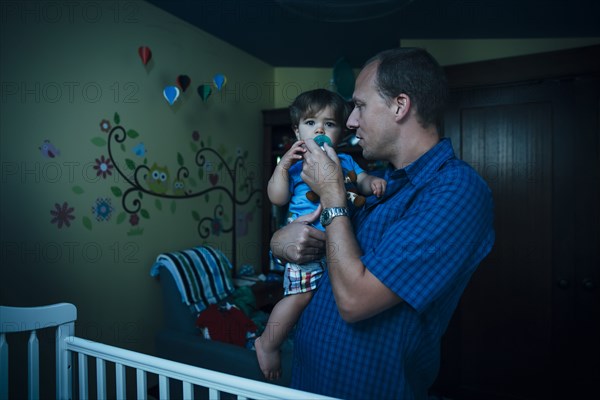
column 323, row 173
column 298, row 242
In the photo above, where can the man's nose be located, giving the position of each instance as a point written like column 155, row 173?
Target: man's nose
column 352, row 122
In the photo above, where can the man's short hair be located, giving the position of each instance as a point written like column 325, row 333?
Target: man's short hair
column 414, row 72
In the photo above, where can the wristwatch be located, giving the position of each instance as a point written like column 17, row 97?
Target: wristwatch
column 328, row 214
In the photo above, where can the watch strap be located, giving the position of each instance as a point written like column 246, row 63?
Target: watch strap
column 328, row 214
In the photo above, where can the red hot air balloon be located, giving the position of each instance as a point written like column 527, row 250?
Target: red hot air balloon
column 145, row 54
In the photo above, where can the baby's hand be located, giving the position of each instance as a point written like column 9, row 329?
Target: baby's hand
column 293, row 155
column 378, row 186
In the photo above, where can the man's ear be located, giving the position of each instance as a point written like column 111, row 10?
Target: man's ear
column 402, row 106
column 296, row 132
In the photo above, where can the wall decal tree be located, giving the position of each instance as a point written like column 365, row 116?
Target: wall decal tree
column 212, row 173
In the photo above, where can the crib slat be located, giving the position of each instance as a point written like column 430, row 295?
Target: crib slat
column 214, row 394
column 33, row 366
column 3, row 367
column 163, row 387
column 64, row 375
column 141, row 384
column 120, row 381
column 188, row 391
column 83, row 376
column 101, row 378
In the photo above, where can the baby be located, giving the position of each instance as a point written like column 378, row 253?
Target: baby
column 318, row 115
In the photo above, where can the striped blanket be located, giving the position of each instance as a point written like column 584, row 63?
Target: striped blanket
column 201, row 274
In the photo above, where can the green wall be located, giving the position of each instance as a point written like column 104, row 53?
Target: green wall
column 67, row 66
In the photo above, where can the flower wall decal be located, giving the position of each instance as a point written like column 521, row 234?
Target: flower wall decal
column 102, row 209
column 105, row 125
column 103, row 167
column 61, row 215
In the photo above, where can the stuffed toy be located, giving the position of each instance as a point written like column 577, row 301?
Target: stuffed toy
column 352, row 195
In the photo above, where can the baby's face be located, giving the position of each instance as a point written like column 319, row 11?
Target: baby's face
column 323, row 123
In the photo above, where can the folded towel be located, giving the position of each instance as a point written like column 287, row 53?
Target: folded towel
column 200, row 273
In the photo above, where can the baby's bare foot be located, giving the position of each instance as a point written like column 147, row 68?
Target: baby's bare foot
column 269, row 360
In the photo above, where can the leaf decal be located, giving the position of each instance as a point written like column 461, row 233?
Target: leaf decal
column 173, row 206
column 87, row 223
column 116, row 191
column 132, row 134
column 121, row 217
column 179, row 159
column 135, row 231
column 117, row 119
column 99, row 141
column 196, row 216
column 130, row 163
column 158, row 204
column 77, row 189
column 144, row 213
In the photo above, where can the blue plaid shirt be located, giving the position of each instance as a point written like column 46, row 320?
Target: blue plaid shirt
column 423, row 239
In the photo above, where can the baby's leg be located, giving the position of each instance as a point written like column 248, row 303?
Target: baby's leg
column 284, row 316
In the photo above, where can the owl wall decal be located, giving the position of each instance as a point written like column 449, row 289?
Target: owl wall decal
column 158, row 179
column 179, row 188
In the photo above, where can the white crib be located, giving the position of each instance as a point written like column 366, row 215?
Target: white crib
column 62, row 317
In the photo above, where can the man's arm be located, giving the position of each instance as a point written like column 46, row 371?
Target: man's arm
column 298, row 242
column 358, row 293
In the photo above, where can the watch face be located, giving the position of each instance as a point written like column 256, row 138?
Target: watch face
column 328, row 214
column 326, row 217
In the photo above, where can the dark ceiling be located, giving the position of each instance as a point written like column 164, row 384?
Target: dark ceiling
column 285, row 38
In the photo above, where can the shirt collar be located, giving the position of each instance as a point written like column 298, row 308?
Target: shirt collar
column 420, row 170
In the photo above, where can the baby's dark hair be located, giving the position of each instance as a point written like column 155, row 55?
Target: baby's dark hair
column 310, row 103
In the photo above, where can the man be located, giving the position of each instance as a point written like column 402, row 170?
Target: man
column 396, row 271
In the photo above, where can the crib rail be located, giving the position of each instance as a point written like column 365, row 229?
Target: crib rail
column 167, row 370
column 62, row 317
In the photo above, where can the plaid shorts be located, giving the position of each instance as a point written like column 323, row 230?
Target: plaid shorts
column 302, row 278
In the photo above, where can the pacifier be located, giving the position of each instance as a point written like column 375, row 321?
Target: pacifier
column 322, row 139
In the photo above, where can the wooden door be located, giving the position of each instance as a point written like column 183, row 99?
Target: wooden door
column 527, row 326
